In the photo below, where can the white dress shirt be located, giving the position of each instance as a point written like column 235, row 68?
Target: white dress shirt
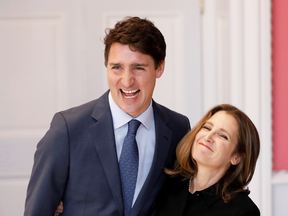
column 145, row 138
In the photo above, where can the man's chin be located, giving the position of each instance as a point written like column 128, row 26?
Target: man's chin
column 132, row 112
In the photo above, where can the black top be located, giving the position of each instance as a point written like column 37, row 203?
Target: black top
column 176, row 200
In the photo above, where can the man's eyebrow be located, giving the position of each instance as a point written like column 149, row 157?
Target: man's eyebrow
column 112, row 63
column 139, row 64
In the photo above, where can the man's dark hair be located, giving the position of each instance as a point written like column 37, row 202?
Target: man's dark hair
column 140, row 34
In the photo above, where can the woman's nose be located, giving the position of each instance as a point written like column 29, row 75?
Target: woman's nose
column 209, row 137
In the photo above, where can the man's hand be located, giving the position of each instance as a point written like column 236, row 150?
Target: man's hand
column 59, row 209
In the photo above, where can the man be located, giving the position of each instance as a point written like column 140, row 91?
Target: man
column 80, row 159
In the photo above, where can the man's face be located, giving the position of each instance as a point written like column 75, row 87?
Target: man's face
column 131, row 78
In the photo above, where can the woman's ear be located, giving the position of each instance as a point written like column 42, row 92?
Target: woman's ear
column 235, row 159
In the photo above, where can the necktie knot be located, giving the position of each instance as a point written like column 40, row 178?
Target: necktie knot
column 133, row 126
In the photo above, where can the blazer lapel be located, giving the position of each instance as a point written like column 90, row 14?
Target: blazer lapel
column 102, row 133
column 162, row 146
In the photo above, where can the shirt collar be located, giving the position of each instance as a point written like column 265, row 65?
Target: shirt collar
column 120, row 118
column 209, row 195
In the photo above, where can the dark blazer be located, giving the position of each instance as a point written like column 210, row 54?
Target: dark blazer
column 175, row 200
column 76, row 161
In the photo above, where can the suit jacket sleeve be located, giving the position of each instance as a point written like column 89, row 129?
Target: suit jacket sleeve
column 50, row 170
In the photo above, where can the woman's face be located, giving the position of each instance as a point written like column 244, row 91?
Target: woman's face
column 215, row 142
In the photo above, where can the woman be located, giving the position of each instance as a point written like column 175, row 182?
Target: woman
column 215, row 163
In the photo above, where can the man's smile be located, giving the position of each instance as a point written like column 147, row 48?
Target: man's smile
column 130, row 94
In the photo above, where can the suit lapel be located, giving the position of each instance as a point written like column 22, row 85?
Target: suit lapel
column 102, row 133
column 162, row 146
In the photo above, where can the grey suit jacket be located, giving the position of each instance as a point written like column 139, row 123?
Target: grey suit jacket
column 76, row 161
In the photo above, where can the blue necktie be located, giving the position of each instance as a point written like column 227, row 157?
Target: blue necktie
column 128, row 165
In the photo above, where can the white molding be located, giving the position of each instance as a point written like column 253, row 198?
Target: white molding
column 209, row 50
column 33, row 16
column 10, row 176
column 22, row 133
column 236, row 52
column 61, row 62
column 251, row 80
column 58, row 22
column 266, row 106
column 280, row 177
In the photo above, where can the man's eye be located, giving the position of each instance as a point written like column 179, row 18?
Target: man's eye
column 116, row 67
column 139, row 68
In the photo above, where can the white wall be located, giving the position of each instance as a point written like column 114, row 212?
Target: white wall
column 227, row 61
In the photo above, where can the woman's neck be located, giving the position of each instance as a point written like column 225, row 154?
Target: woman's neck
column 204, row 179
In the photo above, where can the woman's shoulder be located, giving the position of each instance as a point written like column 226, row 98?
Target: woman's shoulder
column 240, row 205
column 172, row 196
column 173, row 188
column 176, row 182
column 244, row 205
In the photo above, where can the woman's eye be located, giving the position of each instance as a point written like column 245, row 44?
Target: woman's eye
column 206, row 127
column 224, row 136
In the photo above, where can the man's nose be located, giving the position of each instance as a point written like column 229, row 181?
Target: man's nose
column 127, row 78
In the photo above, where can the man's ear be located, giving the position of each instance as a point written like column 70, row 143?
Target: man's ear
column 160, row 69
column 235, row 159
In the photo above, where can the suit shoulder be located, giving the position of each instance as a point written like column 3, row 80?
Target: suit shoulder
column 83, row 108
column 174, row 120
column 87, row 109
column 170, row 113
